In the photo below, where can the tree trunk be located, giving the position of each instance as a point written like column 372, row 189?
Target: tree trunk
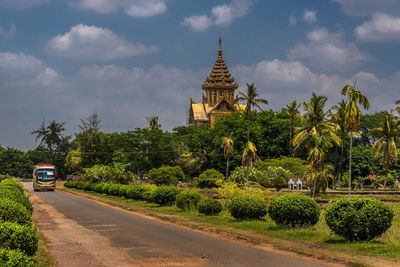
column 351, row 146
column 386, row 173
column 341, row 158
column 248, row 127
column 290, row 138
column 315, row 181
column 336, row 165
column 227, row 169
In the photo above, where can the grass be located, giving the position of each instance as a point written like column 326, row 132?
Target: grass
column 315, row 238
column 43, row 256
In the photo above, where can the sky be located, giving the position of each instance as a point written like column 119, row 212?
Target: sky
column 127, row 60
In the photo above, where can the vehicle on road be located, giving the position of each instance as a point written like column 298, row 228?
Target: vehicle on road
column 44, row 177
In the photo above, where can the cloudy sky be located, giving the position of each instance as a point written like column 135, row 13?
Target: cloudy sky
column 130, row 59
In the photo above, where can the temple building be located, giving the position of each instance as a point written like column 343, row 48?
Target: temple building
column 219, row 98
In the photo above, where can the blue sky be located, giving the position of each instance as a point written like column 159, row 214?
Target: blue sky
column 130, row 59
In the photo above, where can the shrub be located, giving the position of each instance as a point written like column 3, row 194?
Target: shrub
column 19, row 237
column 113, row 189
column 359, row 219
column 136, row 192
column 102, row 173
column 211, row 173
column 187, row 201
column 13, row 212
column 165, row 195
column 247, row 208
column 264, row 181
column 83, row 185
column 122, row 190
column 166, row 175
column 294, row 211
column 15, row 195
column 99, row 187
column 13, row 185
column 68, row 184
column 148, row 195
column 13, row 258
column 207, row 183
column 92, row 186
column 210, row 206
column 279, row 182
column 106, row 187
column 243, row 174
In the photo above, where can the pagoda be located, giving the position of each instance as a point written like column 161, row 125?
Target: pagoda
column 219, row 100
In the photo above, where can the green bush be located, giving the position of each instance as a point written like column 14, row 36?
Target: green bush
column 166, row 175
column 19, row 237
column 210, row 206
column 148, row 195
column 15, row 195
column 92, row 186
column 359, row 219
column 165, row 195
column 207, row 183
column 279, row 182
column 106, row 187
column 211, row 173
column 243, row 174
column 83, row 185
column 114, row 189
column 294, row 211
column 13, row 258
column 13, row 185
column 99, row 187
column 264, row 181
column 68, row 184
column 247, row 208
column 188, row 201
column 11, row 211
column 136, row 192
column 122, row 190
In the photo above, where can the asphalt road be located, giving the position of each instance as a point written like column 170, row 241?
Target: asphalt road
column 145, row 238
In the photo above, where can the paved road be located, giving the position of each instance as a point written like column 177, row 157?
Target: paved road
column 144, row 238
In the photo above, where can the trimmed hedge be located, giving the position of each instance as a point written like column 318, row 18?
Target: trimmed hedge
column 114, row 189
column 359, row 219
column 13, row 185
column 188, row 201
column 166, row 175
column 247, row 208
column 99, row 187
column 122, row 190
column 136, row 192
column 210, row 206
column 19, row 237
column 13, row 258
column 15, row 195
column 211, row 173
column 11, row 211
column 294, row 211
column 165, row 195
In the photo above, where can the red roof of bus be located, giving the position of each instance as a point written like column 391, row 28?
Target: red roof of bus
column 44, row 164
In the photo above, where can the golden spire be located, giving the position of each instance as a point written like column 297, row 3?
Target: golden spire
column 220, row 47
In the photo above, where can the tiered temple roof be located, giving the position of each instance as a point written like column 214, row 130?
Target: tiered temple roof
column 220, row 77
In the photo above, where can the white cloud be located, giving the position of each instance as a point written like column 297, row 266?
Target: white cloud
column 292, row 19
column 20, row 4
column 8, row 34
column 220, row 15
column 367, row 7
column 134, row 8
column 328, row 51
column 94, row 43
column 380, row 28
column 310, row 16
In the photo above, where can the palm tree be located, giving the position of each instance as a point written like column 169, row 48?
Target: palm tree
column 153, row 122
column 352, row 115
column 292, row 110
column 249, row 155
column 339, row 118
column 387, row 141
column 398, row 106
column 252, row 100
column 227, row 145
column 317, row 134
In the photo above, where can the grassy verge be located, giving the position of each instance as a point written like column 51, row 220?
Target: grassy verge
column 316, row 242
column 43, row 256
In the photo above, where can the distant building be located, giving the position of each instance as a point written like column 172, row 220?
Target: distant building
column 219, row 100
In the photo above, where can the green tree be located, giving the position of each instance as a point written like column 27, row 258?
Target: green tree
column 386, row 143
column 398, row 106
column 292, row 110
column 317, row 134
column 252, row 100
column 353, row 115
column 227, row 145
column 249, row 155
column 339, row 119
column 153, row 122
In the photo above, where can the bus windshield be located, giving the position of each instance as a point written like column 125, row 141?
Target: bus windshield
column 45, row 174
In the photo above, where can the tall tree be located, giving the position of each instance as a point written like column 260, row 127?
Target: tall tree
column 292, row 110
column 317, row 134
column 352, row 115
column 339, row 119
column 252, row 100
column 227, row 145
column 92, row 123
column 153, row 122
column 386, row 143
column 249, row 155
column 398, row 106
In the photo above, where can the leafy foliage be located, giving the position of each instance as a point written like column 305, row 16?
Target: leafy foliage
column 188, row 201
column 165, row 195
column 210, row 206
column 207, row 183
column 166, row 175
column 14, row 258
column 359, row 219
column 11, row 211
column 211, row 173
column 247, row 208
column 294, row 211
column 18, row 237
